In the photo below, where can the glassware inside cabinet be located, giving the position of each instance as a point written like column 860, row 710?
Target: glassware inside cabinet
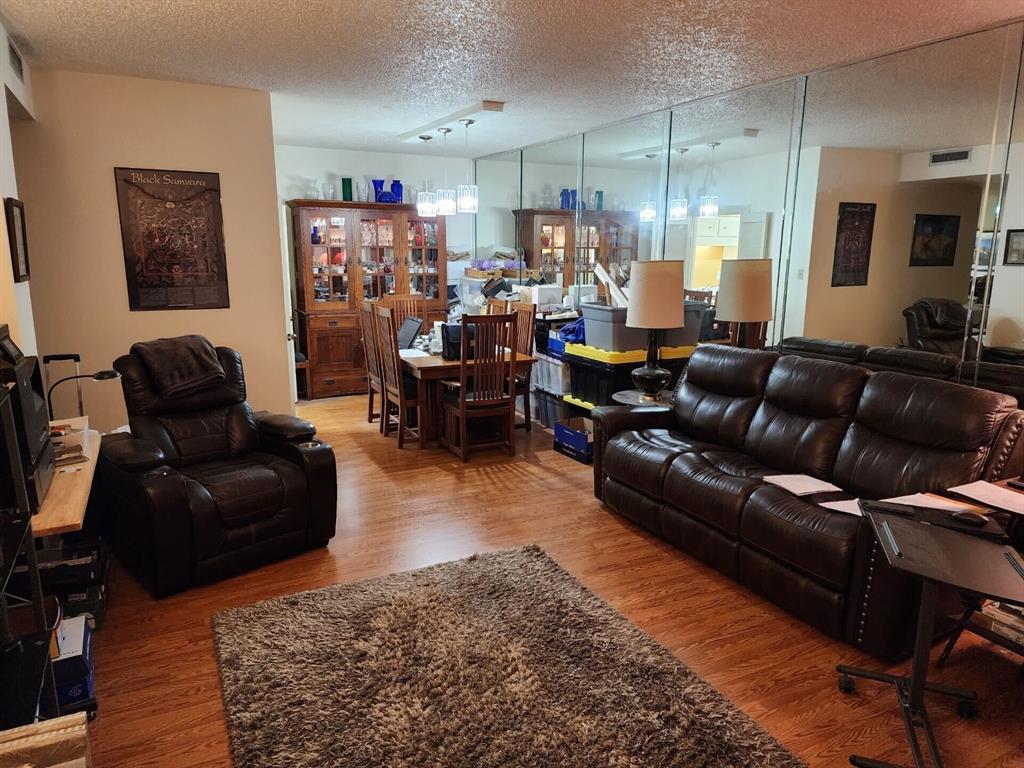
column 422, row 259
column 552, row 252
column 377, row 257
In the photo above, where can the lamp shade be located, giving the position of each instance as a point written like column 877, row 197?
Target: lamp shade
column 655, row 295
column 745, row 291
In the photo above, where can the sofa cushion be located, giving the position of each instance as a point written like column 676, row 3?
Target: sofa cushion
column 904, row 360
column 914, row 434
column 673, row 438
column 720, row 391
column 822, row 349
column 695, row 485
column 639, row 462
column 807, row 407
column 809, row 538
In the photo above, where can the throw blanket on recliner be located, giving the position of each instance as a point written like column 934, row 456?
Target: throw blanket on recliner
column 181, row 365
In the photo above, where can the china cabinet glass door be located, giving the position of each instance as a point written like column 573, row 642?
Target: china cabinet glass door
column 588, row 254
column 377, row 256
column 329, row 239
column 422, row 259
column 552, row 249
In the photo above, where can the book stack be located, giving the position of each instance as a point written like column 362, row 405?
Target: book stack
column 73, row 668
column 70, row 440
column 1002, row 619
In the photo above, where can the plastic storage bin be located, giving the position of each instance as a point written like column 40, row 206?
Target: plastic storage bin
column 551, row 375
column 605, row 328
column 596, row 375
column 551, row 408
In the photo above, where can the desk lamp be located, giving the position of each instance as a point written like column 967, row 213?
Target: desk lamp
column 655, row 303
column 98, row 376
column 745, row 296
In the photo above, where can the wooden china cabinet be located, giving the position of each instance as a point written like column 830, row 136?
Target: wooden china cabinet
column 566, row 248
column 345, row 252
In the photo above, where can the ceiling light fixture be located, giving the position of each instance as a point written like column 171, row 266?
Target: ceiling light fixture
column 468, row 199
column 445, row 196
column 689, row 143
column 648, row 212
column 678, row 206
column 426, row 201
column 709, row 203
column 478, row 111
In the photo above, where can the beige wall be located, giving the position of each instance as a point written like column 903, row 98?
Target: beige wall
column 873, row 313
column 85, row 126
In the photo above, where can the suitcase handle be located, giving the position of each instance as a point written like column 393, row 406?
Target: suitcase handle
column 56, row 358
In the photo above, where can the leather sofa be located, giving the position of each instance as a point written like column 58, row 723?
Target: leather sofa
column 692, row 475
column 937, row 325
column 998, row 377
column 204, row 488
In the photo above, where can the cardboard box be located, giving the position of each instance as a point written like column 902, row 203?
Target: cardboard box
column 575, row 438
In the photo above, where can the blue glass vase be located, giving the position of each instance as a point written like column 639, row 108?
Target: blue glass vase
column 396, row 190
column 378, row 187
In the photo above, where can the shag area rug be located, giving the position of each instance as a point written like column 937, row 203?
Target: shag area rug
column 502, row 660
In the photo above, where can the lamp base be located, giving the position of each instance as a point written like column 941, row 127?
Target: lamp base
column 651, row 378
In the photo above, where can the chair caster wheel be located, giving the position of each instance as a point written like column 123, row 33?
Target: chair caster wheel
column 846, row 684
column 968, row 710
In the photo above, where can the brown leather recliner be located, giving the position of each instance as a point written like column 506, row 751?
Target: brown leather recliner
column 938, row 325
column 204, row 488
column 693, row 475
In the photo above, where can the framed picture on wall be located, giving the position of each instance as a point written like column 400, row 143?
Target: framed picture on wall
column 17, row 235
column 854, row 229
column 934, row 243
column 172, row 232
column 1014, row 253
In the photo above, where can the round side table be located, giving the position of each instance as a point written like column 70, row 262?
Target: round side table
column 636, row 397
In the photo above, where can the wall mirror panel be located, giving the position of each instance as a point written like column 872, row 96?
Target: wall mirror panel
column 893, row 193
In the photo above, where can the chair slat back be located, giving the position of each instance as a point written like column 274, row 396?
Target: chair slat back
column 526, row 315
column 485, row 376
column 707, row 297
column 496, row 306
column 368, row 325
column 404, row 305
column 387, row 349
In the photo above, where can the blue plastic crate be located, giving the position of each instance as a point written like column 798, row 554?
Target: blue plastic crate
column 576, row 435
column 556, row 348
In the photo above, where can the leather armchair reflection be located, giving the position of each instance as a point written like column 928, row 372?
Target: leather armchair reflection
column 204, row 488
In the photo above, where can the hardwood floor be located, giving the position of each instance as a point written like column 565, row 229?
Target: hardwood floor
column 156, row 677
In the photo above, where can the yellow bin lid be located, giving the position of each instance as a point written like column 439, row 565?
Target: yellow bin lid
column 629, row 356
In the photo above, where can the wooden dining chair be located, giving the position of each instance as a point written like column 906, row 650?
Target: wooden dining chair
column 497, row 306
column 399, row 391
column 371, row 345
column 404, row 305
column 707, row 297
column 485, row 388
column 526, row 315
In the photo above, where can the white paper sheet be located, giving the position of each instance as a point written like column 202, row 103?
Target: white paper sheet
column 407, row 353
column 849, row 506
column 932, row 502
column 801, row 485
column 993, row 496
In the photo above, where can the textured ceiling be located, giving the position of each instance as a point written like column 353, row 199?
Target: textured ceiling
column 357, row 74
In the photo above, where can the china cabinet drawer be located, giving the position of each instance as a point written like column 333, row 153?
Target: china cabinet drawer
column 328, row 322
column 330, row 384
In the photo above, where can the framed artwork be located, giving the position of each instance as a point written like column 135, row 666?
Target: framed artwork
column 934, row 243
column 17, row 235
column 1014, row 253
column 172, row 232
column 854, row 229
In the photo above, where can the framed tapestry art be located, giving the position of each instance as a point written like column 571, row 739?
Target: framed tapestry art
column 854, row 229
column 1014, row 253
column 17, row 236
column 172, row 231
column 934, row 243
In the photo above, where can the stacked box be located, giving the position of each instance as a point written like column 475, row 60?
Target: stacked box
column 595, row 374
column 575, row 438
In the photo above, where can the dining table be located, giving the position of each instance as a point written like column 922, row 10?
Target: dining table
column 429, row 370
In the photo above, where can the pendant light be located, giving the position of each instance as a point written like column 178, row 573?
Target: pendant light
column 445, row 196
column 426, row 201
column 469, row 195
column 678, row 206
column 648, row 212
column 709, row 203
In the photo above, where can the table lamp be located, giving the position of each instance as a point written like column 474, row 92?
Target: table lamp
column 745, row 295
column 655, row 303
column 98, row 376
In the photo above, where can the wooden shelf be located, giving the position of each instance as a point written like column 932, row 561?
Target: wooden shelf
column 63, row 508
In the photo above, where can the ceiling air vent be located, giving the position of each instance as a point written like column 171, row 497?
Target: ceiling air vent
column 949, row 156
column 16, row 63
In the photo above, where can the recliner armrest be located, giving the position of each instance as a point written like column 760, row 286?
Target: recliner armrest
column 609, row 420
column 132, row 454
column 291, row 429
column 1004, row 355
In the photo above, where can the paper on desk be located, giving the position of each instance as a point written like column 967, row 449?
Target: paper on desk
column 993, row 496
column 932, row 502
column 406, row 353
column 849, row 506
column 801, row 485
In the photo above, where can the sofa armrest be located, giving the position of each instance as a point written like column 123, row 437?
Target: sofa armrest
column 290, row 429
column 1004, row 355
column 131, row 454
column 609, row 420
column 1006, row 457
column 316, row 460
